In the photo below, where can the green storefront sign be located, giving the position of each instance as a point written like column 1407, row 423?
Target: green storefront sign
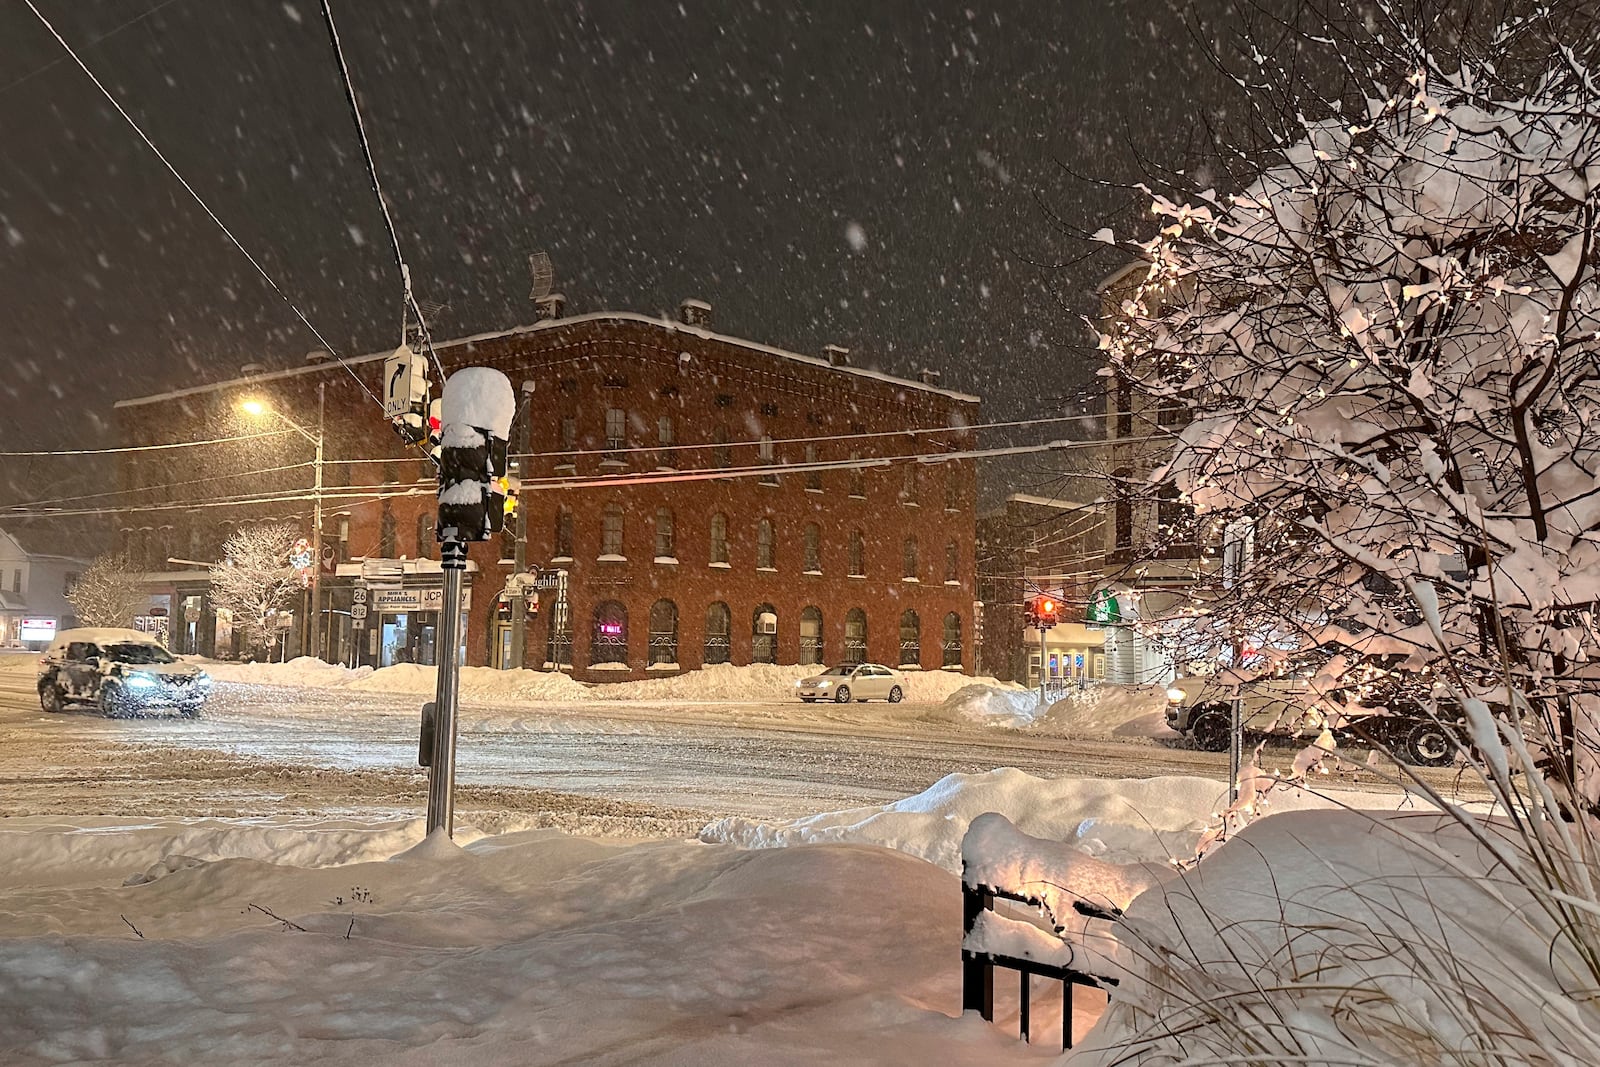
column 1104, row 609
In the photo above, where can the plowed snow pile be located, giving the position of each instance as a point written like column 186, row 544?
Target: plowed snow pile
column 1099, row 711
column 718, row 682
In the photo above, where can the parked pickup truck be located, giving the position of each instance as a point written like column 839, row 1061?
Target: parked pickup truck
column 1200, row 709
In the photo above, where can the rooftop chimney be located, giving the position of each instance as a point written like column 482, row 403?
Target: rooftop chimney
column 549, row 307
column 928, row 377
column 695, row 313
column 250, row 370
column 315, row 356
column 838, row 355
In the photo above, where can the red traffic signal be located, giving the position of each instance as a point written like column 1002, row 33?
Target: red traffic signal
column 1043, row 612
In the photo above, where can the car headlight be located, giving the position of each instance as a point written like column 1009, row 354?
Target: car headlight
column 1177, row 696
column 823, row 685
column 138, row 681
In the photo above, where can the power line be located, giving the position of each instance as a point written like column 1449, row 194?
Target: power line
column 372, row 174
column 150, row 448
column 746, row 443
column 199, row 200
column 154, row 488
column 8, row 86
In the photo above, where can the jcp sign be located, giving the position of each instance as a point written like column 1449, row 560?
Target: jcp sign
column 398, row 600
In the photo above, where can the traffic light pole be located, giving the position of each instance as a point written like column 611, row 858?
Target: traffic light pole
column 1042, row 661
column 442, row 765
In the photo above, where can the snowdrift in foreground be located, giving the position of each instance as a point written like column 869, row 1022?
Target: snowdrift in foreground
column 531, row 947
column 171, row 940
column 723, row 681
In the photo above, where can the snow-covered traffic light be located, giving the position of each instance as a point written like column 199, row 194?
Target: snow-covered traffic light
column 476, row 419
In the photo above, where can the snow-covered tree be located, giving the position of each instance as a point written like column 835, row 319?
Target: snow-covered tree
column 255, row 578
column 1389, row 345
column 110, row 593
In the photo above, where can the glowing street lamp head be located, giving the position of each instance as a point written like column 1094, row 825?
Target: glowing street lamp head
column 252, row 407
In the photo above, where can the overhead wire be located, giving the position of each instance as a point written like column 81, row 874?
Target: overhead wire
column 155, row 488
column 147, row 448
column 377, row 189
column 198, row 199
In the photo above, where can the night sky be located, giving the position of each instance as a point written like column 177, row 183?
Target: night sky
column 727, row 151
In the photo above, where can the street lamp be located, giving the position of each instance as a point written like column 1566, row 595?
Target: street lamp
column 252, row 406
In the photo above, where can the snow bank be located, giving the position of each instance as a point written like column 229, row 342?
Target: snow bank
column 1118, row 820
column 988, row 705
column 44, row 850
column 1110, row 711
column 718, row 682
column 305, row 671
column 1098, row 711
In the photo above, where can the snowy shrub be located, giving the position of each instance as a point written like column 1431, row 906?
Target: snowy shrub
column 255, row 577
column 1387, row 342
column 110, row 593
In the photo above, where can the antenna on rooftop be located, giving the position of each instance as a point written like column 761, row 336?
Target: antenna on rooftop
column 544, row 275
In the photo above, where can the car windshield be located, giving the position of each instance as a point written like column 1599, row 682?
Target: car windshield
column 139, row 653
column 836, row 672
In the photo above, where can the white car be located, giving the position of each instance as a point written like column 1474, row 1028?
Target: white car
column 862, row 681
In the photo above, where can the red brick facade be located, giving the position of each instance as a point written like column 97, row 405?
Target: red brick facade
column 624, row 396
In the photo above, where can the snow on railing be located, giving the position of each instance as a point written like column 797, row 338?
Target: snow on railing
column 1076, row 896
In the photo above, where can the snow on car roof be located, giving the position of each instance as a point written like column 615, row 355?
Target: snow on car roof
column 107, row 635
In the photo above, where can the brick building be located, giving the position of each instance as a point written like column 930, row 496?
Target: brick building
column 709, row 499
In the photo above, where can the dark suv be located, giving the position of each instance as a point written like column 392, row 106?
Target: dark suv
column 123, row 672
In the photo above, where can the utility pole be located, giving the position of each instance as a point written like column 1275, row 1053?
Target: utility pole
column 519, row 548
column 314, row 623
column 475, row 417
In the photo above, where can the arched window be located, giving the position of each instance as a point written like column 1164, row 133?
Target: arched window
column 855, row 636
column 952, row 640
column 611, row 531
column 719, row 624
column 764, row 548
column 663, row 632
column 952, row 563
column 909, row 486
column 858, row 480
column 811, row 647
column 814, row 476
column 910, row 640
column 764, row 635
column 952, row 489
column 813, row 543
column 563, row 534
column 719, row 540
column 858, row 554
column 608, row 639
column 908, row 558
column 666, row 534
column 721, row 454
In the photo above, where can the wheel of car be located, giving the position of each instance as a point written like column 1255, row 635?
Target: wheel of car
column 842, row 694
column 110, row 701
column 1210, row 732
column 51, row 698
column 1427, row 745
column 895, row 695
